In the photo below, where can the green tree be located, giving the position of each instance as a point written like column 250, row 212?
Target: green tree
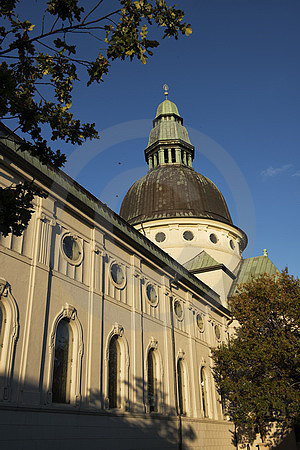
column 39, row 68
column 257, row 371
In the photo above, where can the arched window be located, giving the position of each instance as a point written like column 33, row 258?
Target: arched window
column 181, row 386
column 1, row 327
column 114, row 368
column 9, row 330
column 61, row 383
column 152, row 381
column 203, row 391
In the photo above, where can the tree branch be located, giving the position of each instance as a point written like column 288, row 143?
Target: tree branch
column 14, row 46
column 92, row 10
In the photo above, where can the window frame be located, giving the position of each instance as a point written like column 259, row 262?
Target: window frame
column 10, row 333
column 68, row 312
column 159, row 375
column 118, row 330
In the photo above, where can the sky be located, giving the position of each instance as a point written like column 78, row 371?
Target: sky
column 235, row 81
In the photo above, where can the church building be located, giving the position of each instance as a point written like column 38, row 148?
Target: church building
column 107, row 320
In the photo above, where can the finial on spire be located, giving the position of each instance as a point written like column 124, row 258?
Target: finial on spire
column 166, row 90
column 265, row 252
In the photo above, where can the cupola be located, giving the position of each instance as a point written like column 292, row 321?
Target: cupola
column 179, row 209
column 169, row 142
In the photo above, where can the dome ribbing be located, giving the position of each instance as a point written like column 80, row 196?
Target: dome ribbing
column 174, row 191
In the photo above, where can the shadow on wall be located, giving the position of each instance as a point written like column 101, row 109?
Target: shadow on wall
column 44, row 426
column 288, row 441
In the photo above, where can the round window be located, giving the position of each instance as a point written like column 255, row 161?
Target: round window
column 178, row 309
column 232, row 245
column 188, row 235
column 117, row 274
column 71, row 248
column 217, row 332
column 213, row 238
column 160, row 237
column 200, row 322
column 151, row 294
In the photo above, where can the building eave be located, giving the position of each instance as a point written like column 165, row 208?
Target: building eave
column 72, row 192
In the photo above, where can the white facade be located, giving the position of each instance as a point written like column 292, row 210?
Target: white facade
column 43, row 285
column 105, row 337
column 220, row 240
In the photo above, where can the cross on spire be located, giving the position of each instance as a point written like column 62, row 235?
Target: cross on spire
column 166, row 90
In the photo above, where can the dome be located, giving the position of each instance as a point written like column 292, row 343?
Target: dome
column 171, row 191
column 166, row 107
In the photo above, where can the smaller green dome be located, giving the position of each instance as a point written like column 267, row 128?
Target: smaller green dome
column 166, row 107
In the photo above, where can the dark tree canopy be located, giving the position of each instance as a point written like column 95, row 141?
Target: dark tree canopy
column 39, row 66
column 257, row 371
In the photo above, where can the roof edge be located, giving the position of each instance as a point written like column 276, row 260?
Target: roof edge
column 93, row 207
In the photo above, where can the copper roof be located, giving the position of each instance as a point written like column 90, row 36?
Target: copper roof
column 201, row 261
column 172, row 191
column 251, row 268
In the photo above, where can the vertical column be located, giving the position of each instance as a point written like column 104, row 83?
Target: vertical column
column 189, row 158
column 95, row 346
column 31, row 364
column 137, row 380
column 155, row 160
column 150, row 162
column 170, row 155
column 178, row 155
column 194, row 370
column 211, row 388
column 161, row 157
column 170, row 383
column 184, row 158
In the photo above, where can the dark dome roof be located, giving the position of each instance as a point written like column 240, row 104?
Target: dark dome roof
column 173, row 191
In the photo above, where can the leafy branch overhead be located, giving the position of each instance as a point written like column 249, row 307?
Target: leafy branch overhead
column 40, row 64
column 258, row 370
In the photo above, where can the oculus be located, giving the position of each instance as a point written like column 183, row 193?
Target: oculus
column 188, row 236
column 200, row 322
column 178, row 309
column 213, row 238
column 160, row 237
column 217, row 332
column 71, row 249
column 151, row 294
column 117, row 275
column 232, row 245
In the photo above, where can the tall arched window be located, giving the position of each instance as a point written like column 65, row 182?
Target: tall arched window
column 181, row 386
column 114, row 368
column 1, row 327
column 203, row 391
column 61, row 383
column 152, row 381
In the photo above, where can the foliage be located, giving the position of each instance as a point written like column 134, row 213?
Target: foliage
column 16, row 207
column 257, row 371
column 40, row 65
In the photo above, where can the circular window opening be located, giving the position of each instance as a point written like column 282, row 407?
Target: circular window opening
column 151, row 294
column 188, row 235
column 71, row 248
column 232, row 245
column 217, row 332
column 213, row 238
column 117, row 274
column 160, row 237
column 178, row 309
column 200, row 322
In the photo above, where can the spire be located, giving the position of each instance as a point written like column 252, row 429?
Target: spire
column 169, row 142
column 166, row 90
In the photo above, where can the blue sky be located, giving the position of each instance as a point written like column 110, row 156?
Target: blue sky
column 235, row 81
